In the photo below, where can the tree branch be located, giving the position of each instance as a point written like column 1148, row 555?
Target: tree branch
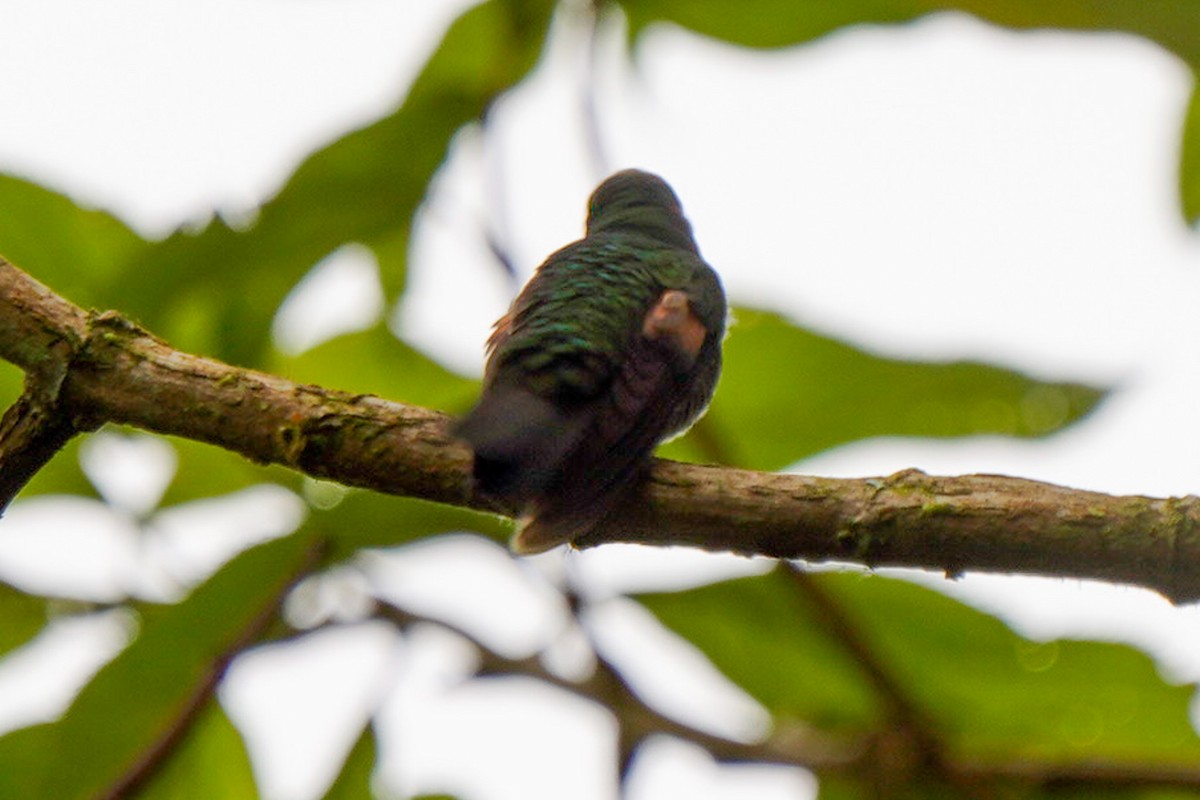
column 120, row 373
column 31, row 432
column 990, row 523
column 911, row 741
column 34, row 428
column 637, row 720
column 123, row 374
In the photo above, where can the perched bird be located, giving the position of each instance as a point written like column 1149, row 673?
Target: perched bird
column 612, row 346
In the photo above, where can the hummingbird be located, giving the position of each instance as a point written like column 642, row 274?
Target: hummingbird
column 612, row 346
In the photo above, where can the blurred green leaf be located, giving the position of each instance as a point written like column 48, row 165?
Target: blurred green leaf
column 989, row 691
column 781, row 23
column 919, row 787
column 354, row 780
column 1189, row 161
column 993, row 691
column 1115, row 792
column 209, row 762
column 842, row 788
column 25, row 756
column 22, row 616
column 778, row 23
column 376, row 362
column 759, row 634
column 362, row 188
column 63, row 475
column 12, row 382
column 204, row 471
column 767, row 23
column 122, row 714
column 369, row 519
column 787, row 393
column 1175, row 26
column 76, row 251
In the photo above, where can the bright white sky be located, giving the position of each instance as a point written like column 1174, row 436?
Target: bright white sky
column 937, row 190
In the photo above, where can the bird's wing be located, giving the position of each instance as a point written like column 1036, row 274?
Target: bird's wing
column 626, row 422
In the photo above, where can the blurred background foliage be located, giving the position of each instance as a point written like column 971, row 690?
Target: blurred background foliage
column 149, row 725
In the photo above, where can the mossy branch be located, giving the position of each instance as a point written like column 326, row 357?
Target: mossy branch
column 106, row 369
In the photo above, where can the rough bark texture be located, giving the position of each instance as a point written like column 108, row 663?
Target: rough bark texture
column 84, row 369
column 972, row 522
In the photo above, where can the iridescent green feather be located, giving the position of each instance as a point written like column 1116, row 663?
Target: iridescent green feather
column 577, row 391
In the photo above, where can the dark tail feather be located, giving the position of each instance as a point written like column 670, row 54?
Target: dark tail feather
column 540, row 533
column 559, row 519
column 601, row 473
column 519, row 439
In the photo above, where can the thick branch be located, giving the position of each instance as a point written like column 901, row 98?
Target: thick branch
column 120, row 373
column 34, row 428
column 990, row 523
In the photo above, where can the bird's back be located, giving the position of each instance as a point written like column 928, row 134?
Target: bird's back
column 589, row 369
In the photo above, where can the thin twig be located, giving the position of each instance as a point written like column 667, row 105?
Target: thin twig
column 155, row 755
column 589, row 95
column 912, row 725
column 806, row 748
column 833, row 620
column 605, row 687
column 497, row 225
column 31, row 432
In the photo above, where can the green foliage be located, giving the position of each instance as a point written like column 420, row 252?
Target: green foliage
column 127, row 709
column 63, row 475
column 779, row 23
column 11, row 382
column 77, row 251
column 358, row 519
column 209, row 762
column 782, row 23
column 362, row 188
column 786, row 393
column 799, row 376
column 402, row 373
column 763, row 638
column 988, row 690
column 203, row 471
column 24, row 757
column 354, row 781
column 1189, row 162
column 21, row 617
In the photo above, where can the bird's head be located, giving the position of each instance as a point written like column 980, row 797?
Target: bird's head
column 637, row 201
